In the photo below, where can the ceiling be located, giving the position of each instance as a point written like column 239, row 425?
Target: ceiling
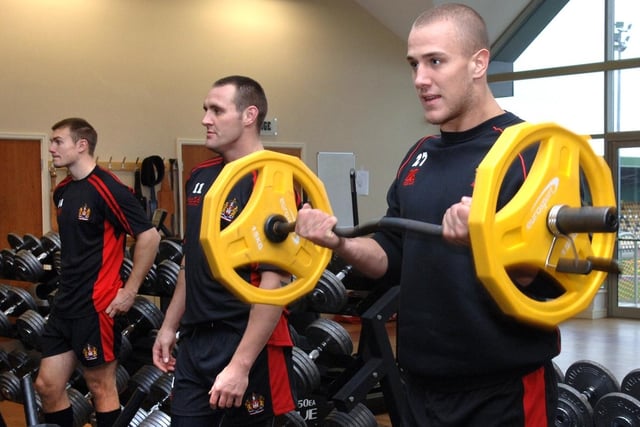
column 398, row 15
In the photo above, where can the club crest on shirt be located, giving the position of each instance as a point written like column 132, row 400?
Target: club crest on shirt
column 84, row 213
column 410, row 179
column 89, row 352
column 254, row 404
column 230, row 210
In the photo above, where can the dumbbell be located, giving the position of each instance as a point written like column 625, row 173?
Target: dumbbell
column 290, row 419
column 328, row 296
column 156, row 408
column 31, row 265
column 137, row 391
column 359, row 416
column 81, row 398
column 14, row 303
column 20, row 363
column 43, row 291
column 30, row 326
column 142, row 317
column 620, row 409
column 168, row 262
column 327, row 337
column 148, row 284
column 17, row 243
column 585, row 382
column 631, row 383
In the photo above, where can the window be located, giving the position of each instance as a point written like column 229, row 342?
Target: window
column 559, row 65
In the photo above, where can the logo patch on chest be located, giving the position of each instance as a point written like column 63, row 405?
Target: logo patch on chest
column 84, row 213
column 410, row 179
column 230, row 210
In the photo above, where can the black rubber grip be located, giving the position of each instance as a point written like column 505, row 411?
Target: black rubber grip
column 587, row 219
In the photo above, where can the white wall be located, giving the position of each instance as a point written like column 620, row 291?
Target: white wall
column 138, row 70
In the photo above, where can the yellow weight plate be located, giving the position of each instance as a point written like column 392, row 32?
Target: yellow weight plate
column 244, row 242
column 517, row 235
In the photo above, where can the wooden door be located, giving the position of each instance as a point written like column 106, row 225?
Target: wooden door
column 192, row 155
column 20, row 188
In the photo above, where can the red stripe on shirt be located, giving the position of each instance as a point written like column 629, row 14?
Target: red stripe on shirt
column 282, row 398
column 534, row 401
column 111, row 202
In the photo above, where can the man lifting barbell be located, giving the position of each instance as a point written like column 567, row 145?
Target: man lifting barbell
column 464, row 361
column 475, row 341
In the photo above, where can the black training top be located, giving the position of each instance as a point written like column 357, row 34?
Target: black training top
column 207, row 300
column 449, row 326
column 95, row 214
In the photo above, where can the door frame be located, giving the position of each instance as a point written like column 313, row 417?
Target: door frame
column 195, row 141
column 614, row 142
column 46, row 182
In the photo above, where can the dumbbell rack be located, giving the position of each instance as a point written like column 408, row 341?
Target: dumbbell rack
column 375, row 362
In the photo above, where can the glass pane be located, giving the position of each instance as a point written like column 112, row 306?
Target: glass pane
column 626, row 95
column 575, row 102
column 598, row 146
column 626, row 44
column 629, row 229
column 574, row 36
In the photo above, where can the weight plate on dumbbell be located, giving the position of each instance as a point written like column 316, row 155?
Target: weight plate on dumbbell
column 122, row 378
column 144, row 377
column 167, row 277
column 359, row 416
column 82, row 407
column 331, row 335
column 30, row 326
column 169, row 249
column 573, row 409
column 305, row 371
column 24, row 299
column 146, row 313
column 149, row 282
column 51, row 241
column 4, row 360
column 125, row 269
column 15, row 240
column 591, row 379
column 27, row 267
column 160, row 390
column 156, row 418
column 631, row 384
column 138, row 418
column 10, row 387
column 617, row 410
column 291, row 419
column 329, row 294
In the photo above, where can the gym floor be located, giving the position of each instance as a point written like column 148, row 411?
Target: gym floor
column 612, row 343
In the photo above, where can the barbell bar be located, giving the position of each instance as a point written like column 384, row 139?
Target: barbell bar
column 544, row 226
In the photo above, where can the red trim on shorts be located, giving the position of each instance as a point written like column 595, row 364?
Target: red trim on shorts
column 281, row 396
column 107, row 336
column 534, row 400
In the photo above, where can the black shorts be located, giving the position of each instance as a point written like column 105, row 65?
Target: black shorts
column 522, row 401
column 203, row 352
column 95, row 339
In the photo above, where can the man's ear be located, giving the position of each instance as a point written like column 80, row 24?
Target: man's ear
column 480, row 62
column 83, row 145
column 250, row 115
